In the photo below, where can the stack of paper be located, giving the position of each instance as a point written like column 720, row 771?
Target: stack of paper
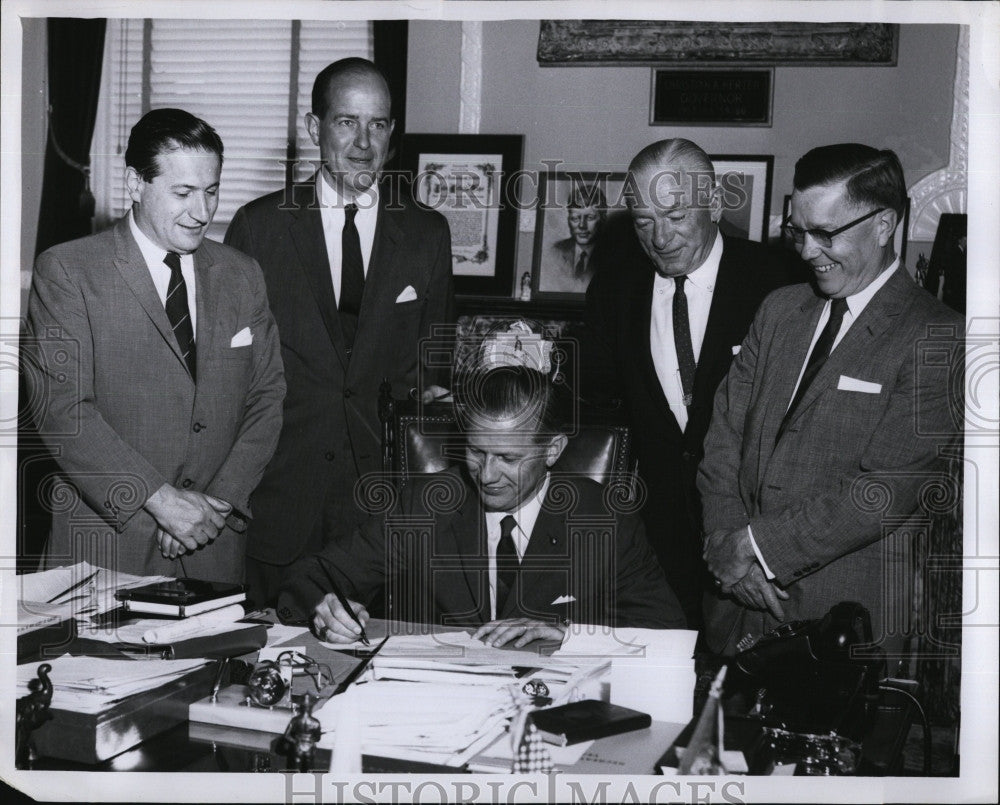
column 652, row 670
column 426, row 721
column 80, row 590
column 451, row 657
column 92, row 684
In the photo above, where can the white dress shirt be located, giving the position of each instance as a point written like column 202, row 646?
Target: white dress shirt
column 856, row 303
column 698, row 289
column 332, row 212
column 160, row 271
column 525, row 516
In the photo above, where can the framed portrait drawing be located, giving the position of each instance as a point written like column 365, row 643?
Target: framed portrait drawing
column 746, row 194
column 570, row 231
column 469, row 179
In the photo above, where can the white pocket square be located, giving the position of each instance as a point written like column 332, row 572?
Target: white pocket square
column 564, row 599
column 853, row 384
column 407, row 295
column 736, row 349
column 243, row 338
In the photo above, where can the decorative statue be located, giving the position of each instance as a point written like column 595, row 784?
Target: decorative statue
column 32, row 712
column 301, row 736
column 526, row 286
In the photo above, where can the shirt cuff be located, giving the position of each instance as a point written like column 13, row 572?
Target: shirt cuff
column 760, row 558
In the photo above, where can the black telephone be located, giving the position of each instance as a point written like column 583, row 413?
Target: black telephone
column 806, row 677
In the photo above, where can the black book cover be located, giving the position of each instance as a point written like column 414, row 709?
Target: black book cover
column 180, row 592
column 587, row 720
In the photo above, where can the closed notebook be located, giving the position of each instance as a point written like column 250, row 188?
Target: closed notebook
column 181, row 598
column 587, row 720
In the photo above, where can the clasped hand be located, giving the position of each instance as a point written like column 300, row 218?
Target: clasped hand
column 187, row 520
column 731, row 559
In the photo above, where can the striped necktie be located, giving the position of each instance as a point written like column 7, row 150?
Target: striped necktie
column 178, row 313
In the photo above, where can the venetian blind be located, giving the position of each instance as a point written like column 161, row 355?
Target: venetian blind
column 247, row 78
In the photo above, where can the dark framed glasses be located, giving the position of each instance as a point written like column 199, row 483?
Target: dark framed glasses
column 822, row 236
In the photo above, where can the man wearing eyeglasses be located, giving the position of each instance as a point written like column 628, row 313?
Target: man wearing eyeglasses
column 832, row 417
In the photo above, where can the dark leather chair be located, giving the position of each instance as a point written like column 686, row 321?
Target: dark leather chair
column 421, row 438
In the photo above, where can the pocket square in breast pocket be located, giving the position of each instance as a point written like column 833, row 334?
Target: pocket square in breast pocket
column 243, row 338
column 564, row 599
column 406, row 295
column 736, row 349
column 853, row 384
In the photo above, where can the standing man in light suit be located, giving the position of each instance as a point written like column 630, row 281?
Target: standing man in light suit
column 356, row 278
column 663, row 325
column 830, row 397
column 156, row 359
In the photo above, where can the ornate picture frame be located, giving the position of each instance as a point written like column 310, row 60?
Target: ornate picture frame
column 470, row 179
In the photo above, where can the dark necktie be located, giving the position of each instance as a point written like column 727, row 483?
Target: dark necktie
column 682, row 340
column 821, row 351
column 352, row 276
column 508, row 565
column 178, row 314
column 581, row 264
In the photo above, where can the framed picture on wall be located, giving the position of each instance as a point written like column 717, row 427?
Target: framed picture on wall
column 746, row 194
column 469, row 179
column 571, row 229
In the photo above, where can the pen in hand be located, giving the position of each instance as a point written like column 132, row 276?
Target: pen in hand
column 335, row 589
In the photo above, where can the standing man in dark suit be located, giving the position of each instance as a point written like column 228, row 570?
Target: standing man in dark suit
column 497, row 546
column 662, row 328
column 828, row 428
column 157, row 359
column 356, row 278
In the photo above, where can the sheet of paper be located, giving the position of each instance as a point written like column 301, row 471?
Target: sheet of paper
column 86, row 588
column 587, row 640
column 279, row 634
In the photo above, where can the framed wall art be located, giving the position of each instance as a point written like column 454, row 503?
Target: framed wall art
column 469, row 179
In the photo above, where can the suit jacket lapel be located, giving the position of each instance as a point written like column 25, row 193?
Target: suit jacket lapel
column 207, row 297
column 787, row 357
column 307, row 234
column 873, row 321
column 546, row 543
column 132, row 266
column 721, row 332
column 468, row 531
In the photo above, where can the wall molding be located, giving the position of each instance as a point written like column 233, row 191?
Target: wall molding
column 946, row 190
column 471, row 85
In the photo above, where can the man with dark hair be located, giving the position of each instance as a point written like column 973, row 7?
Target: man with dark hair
column 156, row 357
column 832, row 417
column 356, row 278
column 569, row 264
column 662, row 328
column 527, row 563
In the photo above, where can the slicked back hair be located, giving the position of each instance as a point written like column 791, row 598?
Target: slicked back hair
column 511, row 392
column 352, row 67
column 871, row 177
column 162, row 131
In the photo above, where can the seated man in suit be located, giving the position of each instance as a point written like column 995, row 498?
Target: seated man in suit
column 506, row 545
column 828, row 428
column 569, row 264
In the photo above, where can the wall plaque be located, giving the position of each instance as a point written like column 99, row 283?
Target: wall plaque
column 711, row 97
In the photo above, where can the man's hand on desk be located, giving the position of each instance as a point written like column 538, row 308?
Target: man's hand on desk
column 521, row 630
column 332, row 623
column 191, row 518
